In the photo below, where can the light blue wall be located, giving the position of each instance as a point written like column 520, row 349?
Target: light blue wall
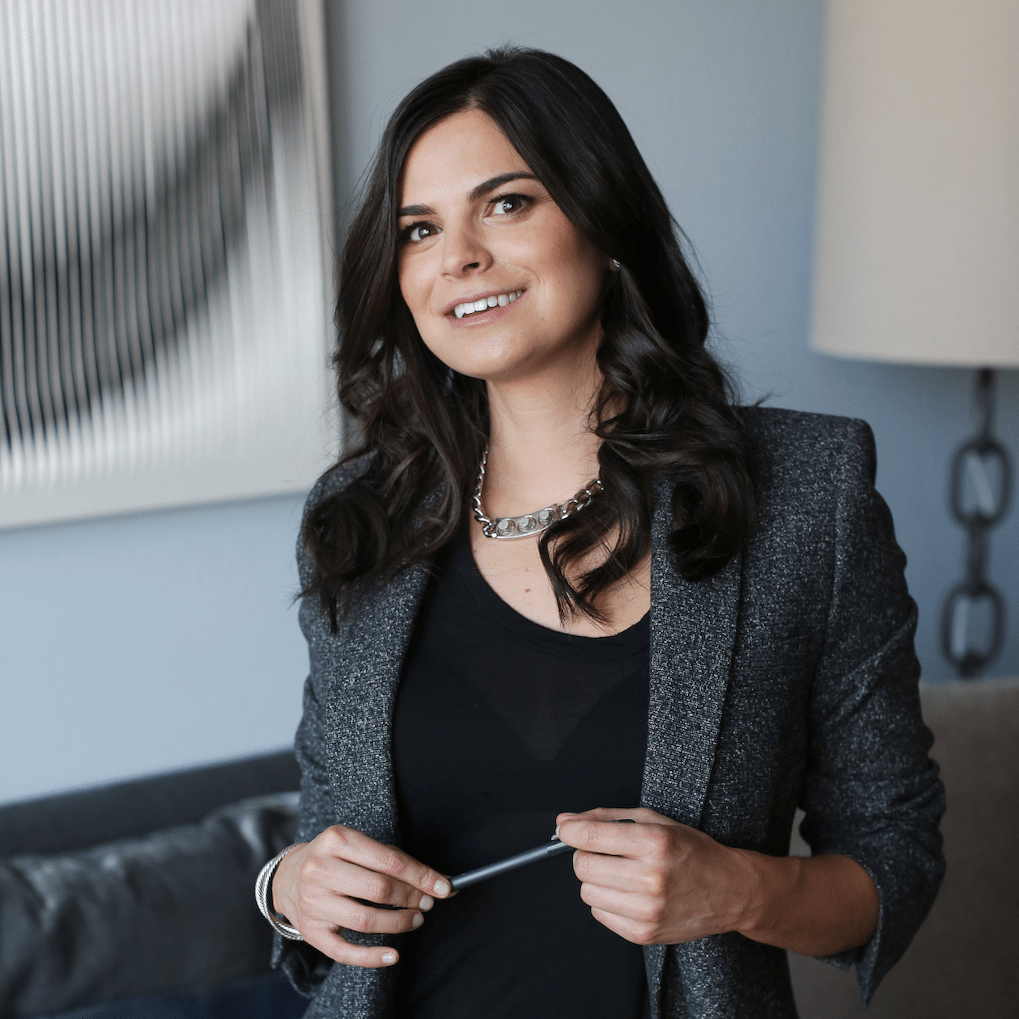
column 135, row 644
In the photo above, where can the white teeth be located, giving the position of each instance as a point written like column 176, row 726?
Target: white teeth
column 469, row 307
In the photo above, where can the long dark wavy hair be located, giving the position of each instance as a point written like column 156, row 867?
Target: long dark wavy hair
column 664, row 409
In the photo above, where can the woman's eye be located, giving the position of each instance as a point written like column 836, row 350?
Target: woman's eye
column 506, row 204
column 418, row 232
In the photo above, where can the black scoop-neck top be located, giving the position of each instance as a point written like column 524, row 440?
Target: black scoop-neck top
column 499, row 725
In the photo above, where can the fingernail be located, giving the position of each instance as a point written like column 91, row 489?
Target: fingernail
column 556, row 831
column 389, row 958
column 426, row 903
column 441, row 887
column 417, row 920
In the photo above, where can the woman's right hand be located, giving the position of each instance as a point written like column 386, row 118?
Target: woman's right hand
column 332, row 881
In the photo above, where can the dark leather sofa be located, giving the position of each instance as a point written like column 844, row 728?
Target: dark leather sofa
column 135, row 899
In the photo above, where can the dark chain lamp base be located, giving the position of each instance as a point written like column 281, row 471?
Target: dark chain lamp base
column 981, row 486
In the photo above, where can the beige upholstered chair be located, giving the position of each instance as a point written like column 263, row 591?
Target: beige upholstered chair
column 964, row 963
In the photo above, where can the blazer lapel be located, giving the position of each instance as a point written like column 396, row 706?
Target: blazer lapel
column 359, row 715
column 693, row 635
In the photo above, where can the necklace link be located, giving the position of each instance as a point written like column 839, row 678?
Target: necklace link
column 529, row 524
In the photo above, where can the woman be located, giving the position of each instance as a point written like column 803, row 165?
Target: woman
column 714, row 630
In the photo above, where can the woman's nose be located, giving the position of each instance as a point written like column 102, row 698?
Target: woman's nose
column 463, row 252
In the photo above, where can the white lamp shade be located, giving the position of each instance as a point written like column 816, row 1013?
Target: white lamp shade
column 917, row 254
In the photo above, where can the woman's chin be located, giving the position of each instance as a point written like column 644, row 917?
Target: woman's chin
column 500, row 363
column 486, row 361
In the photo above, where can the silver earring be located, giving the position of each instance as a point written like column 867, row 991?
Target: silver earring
column 615, row 263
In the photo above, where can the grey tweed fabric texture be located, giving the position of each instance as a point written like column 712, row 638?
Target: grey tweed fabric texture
column 789, row 679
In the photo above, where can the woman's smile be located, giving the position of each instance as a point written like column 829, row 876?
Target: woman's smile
column 472, row 312
column 474, row 306
column 484, row 248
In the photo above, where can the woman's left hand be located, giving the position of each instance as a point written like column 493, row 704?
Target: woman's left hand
column 656, row 881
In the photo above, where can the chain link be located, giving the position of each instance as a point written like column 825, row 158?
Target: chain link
column 528, row 524
column 979, row 460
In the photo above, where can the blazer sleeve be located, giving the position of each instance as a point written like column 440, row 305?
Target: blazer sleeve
column 306, row 967
column 871, row 792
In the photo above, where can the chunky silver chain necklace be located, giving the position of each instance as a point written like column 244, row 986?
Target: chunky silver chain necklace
column 530, row 523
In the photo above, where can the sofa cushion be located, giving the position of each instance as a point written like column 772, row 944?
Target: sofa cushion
column 172, row 910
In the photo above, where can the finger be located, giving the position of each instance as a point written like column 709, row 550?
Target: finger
column 599, row 814
column 621, row 904
column 621, row 872
column 630, row 930
column 337, row 948
column 355, row 881
column 365, row 918
column 356, row 847
column 604, row 835
column 643, row 815
column 633, row 917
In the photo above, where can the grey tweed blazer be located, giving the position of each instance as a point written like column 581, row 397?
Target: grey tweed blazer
column 788, row 679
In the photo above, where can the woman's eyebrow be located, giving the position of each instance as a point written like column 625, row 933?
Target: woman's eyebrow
column 478, row 191
column 416, row 210
column 492, row 183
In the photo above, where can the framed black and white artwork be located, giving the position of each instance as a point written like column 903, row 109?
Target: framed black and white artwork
column 165, row 278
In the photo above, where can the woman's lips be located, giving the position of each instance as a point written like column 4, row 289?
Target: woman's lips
column 491, row 314
column 485, row 302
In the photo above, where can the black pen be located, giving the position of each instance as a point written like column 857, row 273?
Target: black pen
column 546, row 852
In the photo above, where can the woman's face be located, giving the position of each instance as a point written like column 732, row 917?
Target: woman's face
column 476, row 226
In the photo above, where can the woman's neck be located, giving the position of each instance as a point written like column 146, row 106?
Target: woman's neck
column 541, row 448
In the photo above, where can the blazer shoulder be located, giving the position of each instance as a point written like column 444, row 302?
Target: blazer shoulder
column 336, row 479
column 780, row 427
column 796, row 445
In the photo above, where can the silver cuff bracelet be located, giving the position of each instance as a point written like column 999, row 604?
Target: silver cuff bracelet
column 262, row 886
